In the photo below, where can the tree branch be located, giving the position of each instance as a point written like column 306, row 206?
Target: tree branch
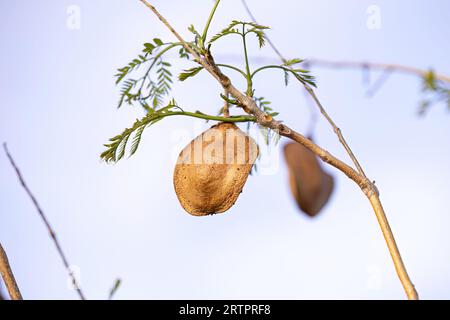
column 46, row 222
column 8, row 276
column 272, row 45
column 262, row 118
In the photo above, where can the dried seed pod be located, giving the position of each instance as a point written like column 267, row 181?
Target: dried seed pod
column 310, row 185
column 213, row 168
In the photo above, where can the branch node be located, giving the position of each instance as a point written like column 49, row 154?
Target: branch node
column 369, row 188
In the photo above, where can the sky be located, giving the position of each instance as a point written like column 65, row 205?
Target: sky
column 124, row 220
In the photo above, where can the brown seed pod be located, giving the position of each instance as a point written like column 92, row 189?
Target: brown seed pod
column 213, row 168
column 310, row 185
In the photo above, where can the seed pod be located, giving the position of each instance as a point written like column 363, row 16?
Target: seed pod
column 310, row 185
column 213, row 168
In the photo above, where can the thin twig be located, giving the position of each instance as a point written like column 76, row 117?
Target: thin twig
column 8, row 276
column 210, row 68
column 250, row 106
column 336, row 129
column 272, row 45
column 47, row 224
column 313, row 117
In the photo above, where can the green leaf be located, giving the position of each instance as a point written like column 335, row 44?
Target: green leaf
column 257, row 29
column 256, row 25
column 114, row 289
column 194, row 31
column 291, row 62
column 429, row 80
column 261, row 38
column 189, row 73
column 198, row 38
column 116, row 148
column 134, row 64
column 148, row 48
column 158, row 42
column 436, row 92
column 264, row 105
column 303, row 78
column 259, row 35
column 123, row 72
column 183, row 54
column 265, row 133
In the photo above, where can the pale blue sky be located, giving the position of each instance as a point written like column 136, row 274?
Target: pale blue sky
column 58, row 108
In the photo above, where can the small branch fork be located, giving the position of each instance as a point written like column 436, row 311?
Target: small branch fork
column 47, row 224
column 8, row 276
column 262, row 118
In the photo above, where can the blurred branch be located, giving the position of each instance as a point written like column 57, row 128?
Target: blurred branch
column 354, row 64
column 46, row 222
column 264, row 119
column 377, row 66
column 8, row 276
column 382, row 79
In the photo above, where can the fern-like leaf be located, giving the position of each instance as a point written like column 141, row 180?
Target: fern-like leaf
column 125, row 92
column 256, row 25
column 260, row 35
column 134, row 64
column 116, row 148
column 291, row 62
column 155, row 90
